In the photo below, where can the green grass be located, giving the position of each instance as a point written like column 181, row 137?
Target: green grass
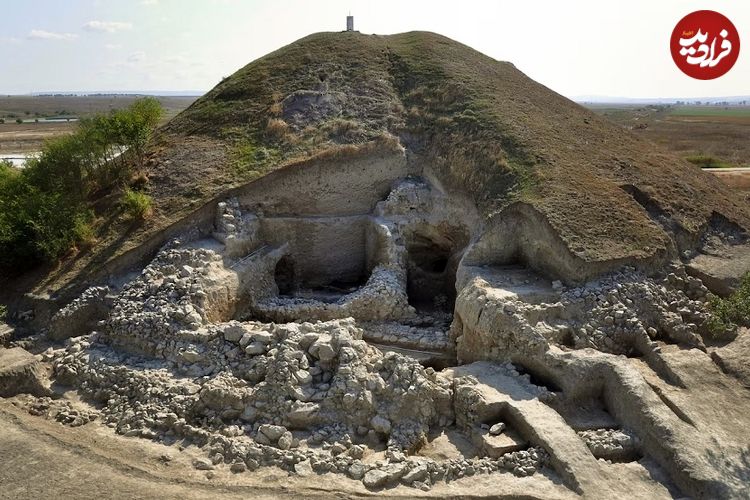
column 136, row 205
column 731, row 312
column 734, row 111
column 250, row 159
column 705, row 161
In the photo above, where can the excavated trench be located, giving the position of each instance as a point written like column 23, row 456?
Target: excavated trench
column 381, row 331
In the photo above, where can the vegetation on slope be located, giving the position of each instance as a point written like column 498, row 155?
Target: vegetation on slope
column 732, row 311
column 137, row 205
column 46, row 208
column 705, row 161
column 403, row 85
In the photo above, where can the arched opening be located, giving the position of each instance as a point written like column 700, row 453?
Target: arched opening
column 284, row 275
column 431, row 273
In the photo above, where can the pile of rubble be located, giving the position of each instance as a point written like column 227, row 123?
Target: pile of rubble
column 61, row 411
column 299, row 396
column 611, row 444
column 622, row 306
column 304, row 396
column 621, row 313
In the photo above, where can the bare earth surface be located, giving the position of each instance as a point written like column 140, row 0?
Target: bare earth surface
column 45, row 459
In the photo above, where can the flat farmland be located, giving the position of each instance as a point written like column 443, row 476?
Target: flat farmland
column 697, row 133
column 45, row 117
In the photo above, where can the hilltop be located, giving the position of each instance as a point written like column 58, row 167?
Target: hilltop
column 480, row 126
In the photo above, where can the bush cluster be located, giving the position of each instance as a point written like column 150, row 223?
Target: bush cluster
column 732, row 311
column 45, row 207
column 136, row 205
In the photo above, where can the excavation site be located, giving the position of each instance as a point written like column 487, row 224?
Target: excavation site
column 391, row 265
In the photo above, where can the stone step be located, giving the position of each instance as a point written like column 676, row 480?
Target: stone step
column 497, row 446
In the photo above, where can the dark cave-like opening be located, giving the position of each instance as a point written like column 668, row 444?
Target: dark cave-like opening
column 431, row 273
column 284, row 275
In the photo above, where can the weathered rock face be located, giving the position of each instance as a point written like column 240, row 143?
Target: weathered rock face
column 20, row 373
column 620, row 314
column 82, row 315
column 626, row 359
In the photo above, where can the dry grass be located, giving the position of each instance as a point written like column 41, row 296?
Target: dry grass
column 277, row 129
column 689, row 132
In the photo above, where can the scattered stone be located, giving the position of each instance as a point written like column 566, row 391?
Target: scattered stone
column 303, row 468
column 381, row 424
column 238, row 467
column 497, row 429
column 203, row 464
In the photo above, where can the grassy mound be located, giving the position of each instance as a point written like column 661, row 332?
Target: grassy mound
column 480, row 125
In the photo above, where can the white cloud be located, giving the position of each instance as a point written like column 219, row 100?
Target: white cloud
column 107, row 26
column 10, row 40
column 149, row 2
column 112, row 46
column 49, row 35
column 137, row 56
column 176, row 59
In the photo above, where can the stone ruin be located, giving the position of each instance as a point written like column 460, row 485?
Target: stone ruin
column 353, row 344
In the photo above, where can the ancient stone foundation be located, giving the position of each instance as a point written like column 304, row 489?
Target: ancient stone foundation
column 399, row 342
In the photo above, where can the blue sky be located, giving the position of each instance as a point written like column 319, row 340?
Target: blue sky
column 615, row 48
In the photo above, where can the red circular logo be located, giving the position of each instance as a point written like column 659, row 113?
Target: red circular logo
column 705, row 44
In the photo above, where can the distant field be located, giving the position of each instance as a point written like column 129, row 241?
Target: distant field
column 30, row 136
column 707, row 135
column 713, row 111
column 26, row 107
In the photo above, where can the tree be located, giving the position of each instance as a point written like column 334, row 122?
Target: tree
column 18, row 120
column 44, row 208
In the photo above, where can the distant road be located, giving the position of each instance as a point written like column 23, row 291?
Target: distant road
column 737, row 177
column 719, row 171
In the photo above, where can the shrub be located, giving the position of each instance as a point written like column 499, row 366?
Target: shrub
column 44, row 207
column 704, row 161
column 18, row 120
column 277, row 129
column 136, row 205
column 3, row 312
column 730, row 312
column 83, row 231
